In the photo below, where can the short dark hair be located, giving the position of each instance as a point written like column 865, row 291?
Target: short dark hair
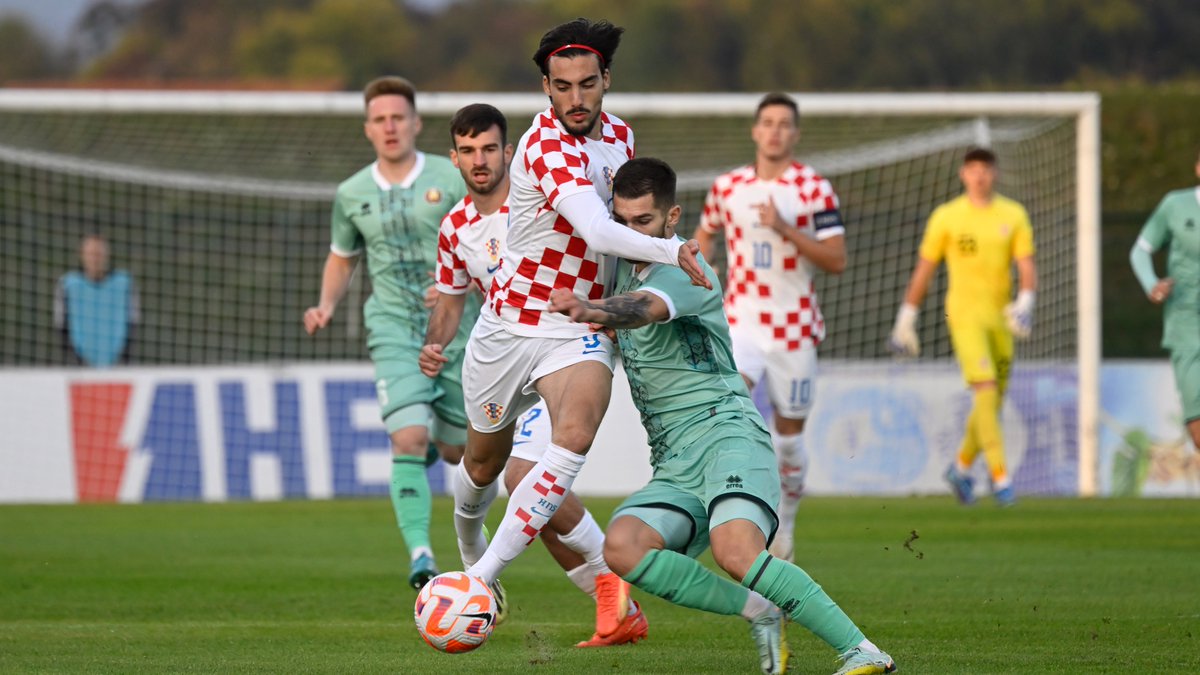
column 646, row 176
column 601, row 36
column 778, row 98
column 390, row 85
column 978, row 154
column 474, row 119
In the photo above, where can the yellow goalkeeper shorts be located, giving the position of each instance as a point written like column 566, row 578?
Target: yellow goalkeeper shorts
column 984, row 348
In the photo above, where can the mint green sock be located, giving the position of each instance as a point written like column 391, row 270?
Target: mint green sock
column 677, row 578
column 793, row 591
column 411, row 500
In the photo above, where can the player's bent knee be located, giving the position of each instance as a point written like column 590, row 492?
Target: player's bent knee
column 736, row 560
column 515, row 472
column 451, row 454
column 623, row 547
column 410, row 441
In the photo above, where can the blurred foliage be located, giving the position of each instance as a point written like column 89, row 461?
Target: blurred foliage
column 24, row 55
column 672, row 45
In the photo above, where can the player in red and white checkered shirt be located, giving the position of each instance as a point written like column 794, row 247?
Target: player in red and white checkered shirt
column 470, row 242
column 781, row 224
column 560, row 227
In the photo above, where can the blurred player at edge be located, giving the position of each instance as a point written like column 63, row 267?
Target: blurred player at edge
column 781, row 224
column 559, row 227
column 980, row 234
column 715, row 473
column 469, row 247
column 392, row 209
column 1174, row 223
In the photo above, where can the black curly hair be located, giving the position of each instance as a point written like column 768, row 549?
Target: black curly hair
column 601, row 36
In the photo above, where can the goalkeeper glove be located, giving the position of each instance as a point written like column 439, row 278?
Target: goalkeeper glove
column 904, row 340
column 1019, row 314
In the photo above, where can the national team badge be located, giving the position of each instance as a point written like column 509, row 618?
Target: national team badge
column 493, row 411
column 1005, row 229
column 433, row 195
column 608, row 178
column 493, row 248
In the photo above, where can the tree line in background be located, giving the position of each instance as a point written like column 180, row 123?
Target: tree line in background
column 1138, row 53
column 672, row 45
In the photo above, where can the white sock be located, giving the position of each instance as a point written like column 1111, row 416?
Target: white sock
column 587, row 539
column 584, row 579
column 868, row 646
column 420, row 551
column 793, row 469
column 530, row 506
column 756, row 606
column 471, row 504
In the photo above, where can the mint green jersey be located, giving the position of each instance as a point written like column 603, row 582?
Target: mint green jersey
column 1176, row 224
column 397, row 226
column 681, row 372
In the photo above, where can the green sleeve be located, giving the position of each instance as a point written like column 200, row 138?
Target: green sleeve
column 673, row 285
column 345, row 239
column 1155, row 234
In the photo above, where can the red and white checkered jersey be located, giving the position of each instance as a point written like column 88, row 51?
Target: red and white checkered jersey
column 543, row 251
column 770, row 285
column 469, row 247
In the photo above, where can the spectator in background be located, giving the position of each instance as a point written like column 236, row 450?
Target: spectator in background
column 96, row 309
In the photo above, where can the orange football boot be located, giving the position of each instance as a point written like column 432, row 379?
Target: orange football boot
column 633, row 628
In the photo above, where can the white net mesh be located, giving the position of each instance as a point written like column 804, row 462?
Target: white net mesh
column 222, row 220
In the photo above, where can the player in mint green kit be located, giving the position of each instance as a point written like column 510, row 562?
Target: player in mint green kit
column 1176, row 224
column 392, row 209
column 716, row 479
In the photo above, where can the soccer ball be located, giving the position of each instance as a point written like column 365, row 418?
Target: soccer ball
column 455, row 613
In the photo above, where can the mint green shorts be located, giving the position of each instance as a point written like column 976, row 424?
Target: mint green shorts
column 1186, row 364
column 700, row 488
column 408, row 398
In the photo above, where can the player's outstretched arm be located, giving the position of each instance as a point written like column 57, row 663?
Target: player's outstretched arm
column 443, row 324
column 628, row 310
column 588, row 215
column 334, row 282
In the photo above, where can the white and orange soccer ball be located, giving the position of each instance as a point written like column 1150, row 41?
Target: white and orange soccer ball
column 455, row 613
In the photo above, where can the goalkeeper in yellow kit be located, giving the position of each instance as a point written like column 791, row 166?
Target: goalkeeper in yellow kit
column 980, row 234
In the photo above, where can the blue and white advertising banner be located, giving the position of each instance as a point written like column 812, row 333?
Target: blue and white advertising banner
column 312, row 431
column 894, row 429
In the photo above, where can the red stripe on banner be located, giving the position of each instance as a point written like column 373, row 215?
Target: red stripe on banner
column 97, row 414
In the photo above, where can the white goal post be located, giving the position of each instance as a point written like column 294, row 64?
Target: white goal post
column 974, row 113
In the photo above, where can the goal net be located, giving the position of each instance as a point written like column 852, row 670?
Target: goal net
column 217, row 205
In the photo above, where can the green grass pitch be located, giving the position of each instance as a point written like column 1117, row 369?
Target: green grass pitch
column 1051, row 586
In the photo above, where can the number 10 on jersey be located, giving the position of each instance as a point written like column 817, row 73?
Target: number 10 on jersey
column 762, row 255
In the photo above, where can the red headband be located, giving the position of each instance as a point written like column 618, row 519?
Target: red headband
column 574, row 46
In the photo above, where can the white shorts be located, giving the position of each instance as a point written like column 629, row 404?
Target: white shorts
column 791, row 376
column 499, row 369
column 532, row 434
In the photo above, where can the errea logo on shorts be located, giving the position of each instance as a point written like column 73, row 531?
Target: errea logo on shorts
column 734, row 481
column 494, row 411
column 381, row 391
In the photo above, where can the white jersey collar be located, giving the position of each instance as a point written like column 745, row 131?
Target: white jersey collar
column 408, row 181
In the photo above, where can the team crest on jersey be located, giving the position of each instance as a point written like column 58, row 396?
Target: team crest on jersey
column 1005, row 229
column 493, row 248
column 433, row 195
column 493, row 411
column 608, row 178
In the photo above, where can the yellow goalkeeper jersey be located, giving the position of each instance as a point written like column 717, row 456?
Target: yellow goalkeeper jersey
column 979, row 246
